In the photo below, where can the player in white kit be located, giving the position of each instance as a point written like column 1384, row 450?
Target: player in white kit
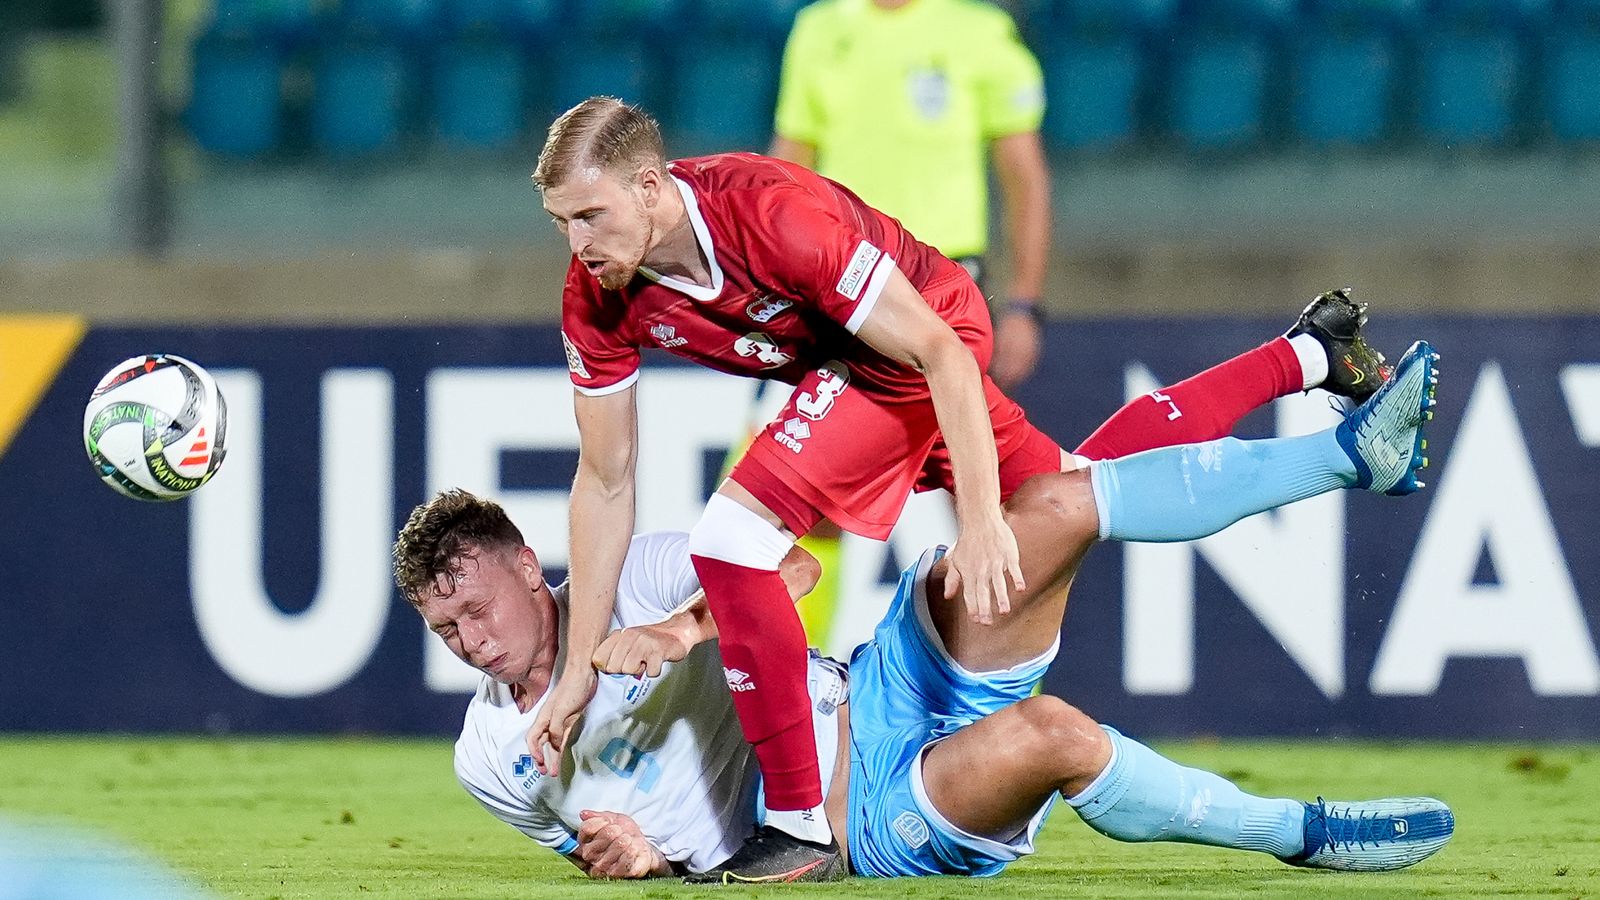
column 658, row 780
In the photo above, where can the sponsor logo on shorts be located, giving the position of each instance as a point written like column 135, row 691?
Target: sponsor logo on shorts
column 912, row 829
column 738, row 680
column 667, row 336
column 855, row 274
column 574, row 361
column 766, row 308
column 794, row 431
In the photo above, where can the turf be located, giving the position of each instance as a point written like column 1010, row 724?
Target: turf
column 380, row 818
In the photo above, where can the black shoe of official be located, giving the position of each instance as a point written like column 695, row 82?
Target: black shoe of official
column 771, row 856
column 1355, row 370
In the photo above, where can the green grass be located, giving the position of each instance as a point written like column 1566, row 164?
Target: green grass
column 380, row 818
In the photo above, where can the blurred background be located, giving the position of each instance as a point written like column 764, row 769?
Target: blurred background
column 355, row 159
column 328, row 204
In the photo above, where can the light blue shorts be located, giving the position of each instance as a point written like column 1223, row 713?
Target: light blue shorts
column 907, row 694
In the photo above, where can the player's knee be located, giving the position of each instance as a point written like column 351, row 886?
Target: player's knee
column 1064, row 499
column 732, row 533
column 1053, row 729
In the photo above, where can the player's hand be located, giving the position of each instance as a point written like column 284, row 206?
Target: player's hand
column 1017, row 339
column 640, row 650
column 556, row 717
column 983, row 556
column 610, row 845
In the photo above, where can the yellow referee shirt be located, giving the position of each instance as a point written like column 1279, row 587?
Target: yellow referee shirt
column 902, row 103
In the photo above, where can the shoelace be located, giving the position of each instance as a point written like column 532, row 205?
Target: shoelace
column 1361, row 831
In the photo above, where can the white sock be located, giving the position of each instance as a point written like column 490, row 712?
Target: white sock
column 805, row 824
column 1313, row 360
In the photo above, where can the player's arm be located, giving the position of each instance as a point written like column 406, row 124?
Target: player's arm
column 1024, row 176
column 903, row 327
column 601, row 525
column 645, row 648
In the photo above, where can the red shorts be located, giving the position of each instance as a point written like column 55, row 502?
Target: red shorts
column 851, row 448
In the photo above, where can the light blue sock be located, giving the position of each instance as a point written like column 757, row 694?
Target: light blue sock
column 1189, row 491
column 1143, row 796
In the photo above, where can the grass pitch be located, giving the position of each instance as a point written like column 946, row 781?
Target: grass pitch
column 381, row 818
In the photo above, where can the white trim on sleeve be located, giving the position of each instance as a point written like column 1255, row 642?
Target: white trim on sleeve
column 869, row 297
column 622, row 385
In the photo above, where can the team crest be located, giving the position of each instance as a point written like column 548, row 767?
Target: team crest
column 766, row 308
column 930, row 92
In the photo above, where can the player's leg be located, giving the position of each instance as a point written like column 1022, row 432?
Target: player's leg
column 1325, row 348
column 852, row 459
column 1177, row 494
column 1041, row 747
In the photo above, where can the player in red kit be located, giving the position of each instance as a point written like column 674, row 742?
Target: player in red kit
column 758, row 267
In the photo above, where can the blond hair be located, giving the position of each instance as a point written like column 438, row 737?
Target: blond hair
column 603, row 132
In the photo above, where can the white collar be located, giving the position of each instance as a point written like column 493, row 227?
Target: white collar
column 703, row 237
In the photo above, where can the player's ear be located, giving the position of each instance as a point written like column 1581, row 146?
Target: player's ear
column 649, row 183
column 528, row 565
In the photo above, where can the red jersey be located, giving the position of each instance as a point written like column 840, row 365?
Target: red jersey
column 797, row 263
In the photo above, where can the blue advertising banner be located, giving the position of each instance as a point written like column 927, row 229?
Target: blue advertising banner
column 264, row 604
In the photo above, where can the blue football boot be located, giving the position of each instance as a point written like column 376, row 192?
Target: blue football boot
column 1384, row 436
column 1376, row 836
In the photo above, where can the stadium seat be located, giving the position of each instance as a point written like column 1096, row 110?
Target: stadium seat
column 477, row 93
column 619, row 17
column 279, row 20
column 1342, row 86
column 236, row 100
column 1100, row 15
column 616, row 67
column 1467, row 87
column 358, row 97
column 1093, row 91
column 725, row 96
column 1218, row 92
column 406, row 20
column 766, row 20
column 1571, row 79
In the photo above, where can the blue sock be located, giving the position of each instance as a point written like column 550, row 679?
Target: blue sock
column 1143, row 796
column 1194, row 490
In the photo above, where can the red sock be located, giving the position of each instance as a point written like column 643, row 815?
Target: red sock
column 764, row 655
column 1202, row 408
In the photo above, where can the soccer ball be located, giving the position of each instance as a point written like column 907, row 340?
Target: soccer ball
column 156, row 427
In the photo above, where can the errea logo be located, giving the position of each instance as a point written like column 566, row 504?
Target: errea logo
column 574, row 361
column 667, row 336
column 738, row 681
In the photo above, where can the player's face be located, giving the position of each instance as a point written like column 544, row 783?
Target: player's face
column 500, row 619
column 606, row 220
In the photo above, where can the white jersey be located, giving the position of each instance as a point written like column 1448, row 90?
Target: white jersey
column 666, row 751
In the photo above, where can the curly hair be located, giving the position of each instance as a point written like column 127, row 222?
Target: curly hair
column 454, row 526
column 605, row 132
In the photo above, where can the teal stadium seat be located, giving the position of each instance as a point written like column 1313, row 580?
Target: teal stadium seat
column 1572, row 86
column 1219, row 92
column 764, row 20
column 616, row 66
column 236, row 96
column 1343, row 85
column 478, row 86
column 626, row 17
column 1093, row 86
column 357, row 105
column 724, row 95
column 1467, row 86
